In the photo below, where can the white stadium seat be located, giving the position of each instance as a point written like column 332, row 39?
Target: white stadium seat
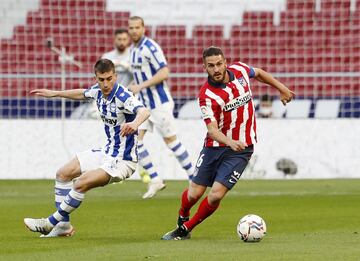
column 278, row 109
column 326, row 109
column 190, row 110
column 298, row 109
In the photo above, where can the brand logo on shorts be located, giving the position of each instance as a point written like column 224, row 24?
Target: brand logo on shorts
column 114, row 164
column 235, row 177
column 196, row 171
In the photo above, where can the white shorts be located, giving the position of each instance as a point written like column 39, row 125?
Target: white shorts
column 163, row 119
column 117, row 168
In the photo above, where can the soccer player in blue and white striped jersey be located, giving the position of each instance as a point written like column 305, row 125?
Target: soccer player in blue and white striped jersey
column 122, row 114
column 150, row 72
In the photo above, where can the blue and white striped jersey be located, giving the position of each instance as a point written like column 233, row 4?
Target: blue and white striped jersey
column 119, row 107
column 146, row 58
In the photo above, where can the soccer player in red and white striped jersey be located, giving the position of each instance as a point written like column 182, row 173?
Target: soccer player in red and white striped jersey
column 228, row 111
column 230, row 105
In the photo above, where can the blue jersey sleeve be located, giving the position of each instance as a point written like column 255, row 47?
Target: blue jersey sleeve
column 251, row 72
column 155, row 55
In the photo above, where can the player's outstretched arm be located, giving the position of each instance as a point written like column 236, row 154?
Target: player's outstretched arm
column 130, row 127
column 77, row 94
column 285, row 94
column 217, row 135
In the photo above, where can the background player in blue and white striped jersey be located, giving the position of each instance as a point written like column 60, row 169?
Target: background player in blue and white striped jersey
column 150, row 72
column 122, row 114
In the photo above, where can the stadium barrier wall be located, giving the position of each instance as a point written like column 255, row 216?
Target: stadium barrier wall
column 35, row 149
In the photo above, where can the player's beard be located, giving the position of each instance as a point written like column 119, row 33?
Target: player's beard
column 219, row 80
column 121, row 48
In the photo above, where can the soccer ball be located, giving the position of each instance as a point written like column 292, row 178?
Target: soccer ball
column 251, row 228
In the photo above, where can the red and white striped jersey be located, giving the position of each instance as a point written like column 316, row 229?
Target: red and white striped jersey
column 230, row 105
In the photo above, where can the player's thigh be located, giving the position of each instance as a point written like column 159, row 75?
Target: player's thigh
column 69, row 171
column 164, row 121
column 141, row 134
column 118, row 169
column 232, row 166
column 92, row 179
column 90, row 159
column 206, row 166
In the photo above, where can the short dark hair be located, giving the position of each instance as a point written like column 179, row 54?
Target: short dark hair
column 103, row 66
column 121, row 31
column 211, row 51
column 266, row 98
column 133, row 18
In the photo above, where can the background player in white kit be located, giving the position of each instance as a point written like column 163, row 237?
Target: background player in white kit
column 150, row 72
column 122, row 114
column 120, row 56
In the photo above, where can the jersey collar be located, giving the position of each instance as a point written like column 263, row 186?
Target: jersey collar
column 221, row 84
column 141, row 41
column 113, row 91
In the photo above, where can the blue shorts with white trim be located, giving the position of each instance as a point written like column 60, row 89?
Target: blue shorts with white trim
column 221, row 164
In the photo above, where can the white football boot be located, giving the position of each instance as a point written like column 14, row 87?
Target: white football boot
column 41, row 225
column 153, row 188
column 62, row 229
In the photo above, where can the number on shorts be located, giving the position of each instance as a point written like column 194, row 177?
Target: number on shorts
column 200, row 160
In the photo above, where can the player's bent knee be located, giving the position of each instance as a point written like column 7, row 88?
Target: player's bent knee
column 62, row 175
column 214, row 198
column 169, row 139
column 80, row 186
column 193, row 198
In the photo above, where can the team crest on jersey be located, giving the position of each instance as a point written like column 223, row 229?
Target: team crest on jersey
column 238, row 102
column 112, row 107
column 242, row 82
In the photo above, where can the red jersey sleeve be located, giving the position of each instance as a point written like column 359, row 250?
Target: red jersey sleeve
column 210, row 110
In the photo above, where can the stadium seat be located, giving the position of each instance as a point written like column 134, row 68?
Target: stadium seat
column 326, row 109
column 298, row 109
column 190, row 110
column 310, row 39
column 278, row 109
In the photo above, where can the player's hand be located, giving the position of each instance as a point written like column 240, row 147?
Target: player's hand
column 128, row 128
column 135, row 88
column 44, row 93
column 237, row 145
column 286, row 96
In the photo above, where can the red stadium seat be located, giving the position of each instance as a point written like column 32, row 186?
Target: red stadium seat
column 305, row 41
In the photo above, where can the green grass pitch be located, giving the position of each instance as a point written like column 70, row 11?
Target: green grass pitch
column 306, row 220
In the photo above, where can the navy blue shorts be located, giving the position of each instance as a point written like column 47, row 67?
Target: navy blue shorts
column 221, row 164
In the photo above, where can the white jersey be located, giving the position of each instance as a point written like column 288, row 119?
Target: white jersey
column 146, row 59
column 123, row 71
column 119, row 107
